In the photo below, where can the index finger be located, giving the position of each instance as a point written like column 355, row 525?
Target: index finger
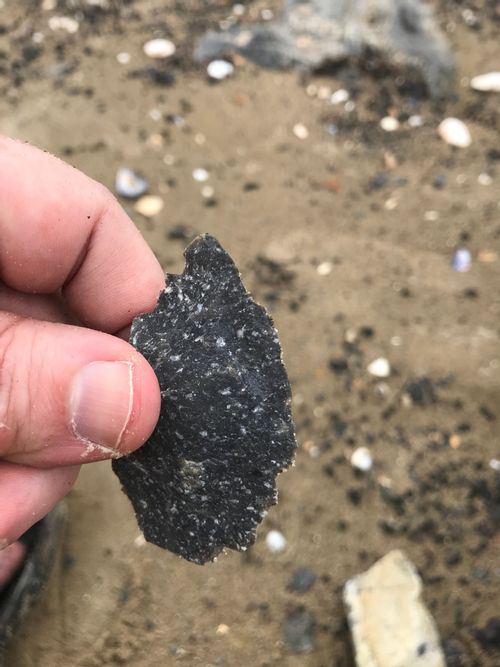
column 60, row 230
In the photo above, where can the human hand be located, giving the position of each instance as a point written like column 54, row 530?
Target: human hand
column 68, row 394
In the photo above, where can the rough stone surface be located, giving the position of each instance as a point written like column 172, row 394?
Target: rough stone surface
column 207, row 475
column 390, row 625
column 312, row 33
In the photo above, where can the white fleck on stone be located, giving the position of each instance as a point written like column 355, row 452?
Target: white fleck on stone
column 380, row 368
column 220, row 342
column 495, row 464
column 389, row 124
column 275, row 541
column 300, row 131
column 149, row 205
column 487, row 83
column 324, row 269
column 200, row 175
column 389, row 623
column 340, row 96
column 159, row 48
column 64, row 23
column 220, row 69
column 361, row 459
column 123, row 58
column 454, row 132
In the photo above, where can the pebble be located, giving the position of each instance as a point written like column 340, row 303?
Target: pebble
column 123, row 58
column 461, row 261
column 149, row 205
column 64, row 23
column 207, row 192
column 495, row 464
column 275, row 541
column 299, row 631
column 487, row 83
column 454, row 132
column 361, row 459
column 159, row 48
column 302, row 580
column 389, row 124
column 380, row 368
column 220, row 69
column 222, row 629
column 300, row 131
column 389, row 622
column 130, row 184
column 484, row 179
column 415, row 121
column 339, row 96
column 200, row 175
column 324, row 269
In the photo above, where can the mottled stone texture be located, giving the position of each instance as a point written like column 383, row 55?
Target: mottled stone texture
column 207, row 475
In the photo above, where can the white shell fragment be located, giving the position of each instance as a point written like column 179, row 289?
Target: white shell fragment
column 340, row 96
column 159, row 48
column 486, row 83
column 275, row 541
column 361, row 459
column 389, row 124
column 130, row 184
column 389, row 623
column 454, row 132
column 220, row 69
column 149, row 205
column 380, row 368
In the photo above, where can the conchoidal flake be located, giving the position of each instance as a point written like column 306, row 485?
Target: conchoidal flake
column 207, row 475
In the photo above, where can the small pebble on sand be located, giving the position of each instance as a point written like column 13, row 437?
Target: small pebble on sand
column 389, row 124
column 130, row 184
column 200, row 175
column 380, row 368
column 454, row 132
column 324, row 269
column 486, row 83
column 361, row 459
column 275, row 541
column 461, row 261
column 300, row 131
column 65, row 23
column 149, row 205
column 159, row 48
column 220, row 69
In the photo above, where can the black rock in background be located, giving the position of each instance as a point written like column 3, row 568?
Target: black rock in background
column 207, row 475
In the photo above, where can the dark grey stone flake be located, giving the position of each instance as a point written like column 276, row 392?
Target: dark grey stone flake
column 207, row 475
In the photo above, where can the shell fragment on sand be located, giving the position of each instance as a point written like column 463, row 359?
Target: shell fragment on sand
column 389, row 623
column 207, row 475
column 455, row 132
column 486, row 83
column 159, row 49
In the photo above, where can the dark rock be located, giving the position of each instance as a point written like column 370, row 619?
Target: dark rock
column 421, row 391
column 302, row 580
column 489, row 635
column 206, row 477
column 299, row 631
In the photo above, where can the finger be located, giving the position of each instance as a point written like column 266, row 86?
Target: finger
column 49, row 308
column 27, row 495
column 11, row 560
column 60, row 229
column 70, row 395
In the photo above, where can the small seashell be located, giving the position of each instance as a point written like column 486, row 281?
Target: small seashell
column 361, row 459
column 389, row 124
column 220, row 69
column 461, row 261
column 149, row 205
column 454, row 132
column 380, row 368
column 159, row 48
column 130, row 184
column 487, row 83
column 275, row 541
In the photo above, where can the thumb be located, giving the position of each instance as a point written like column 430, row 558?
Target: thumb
column 70, row 395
